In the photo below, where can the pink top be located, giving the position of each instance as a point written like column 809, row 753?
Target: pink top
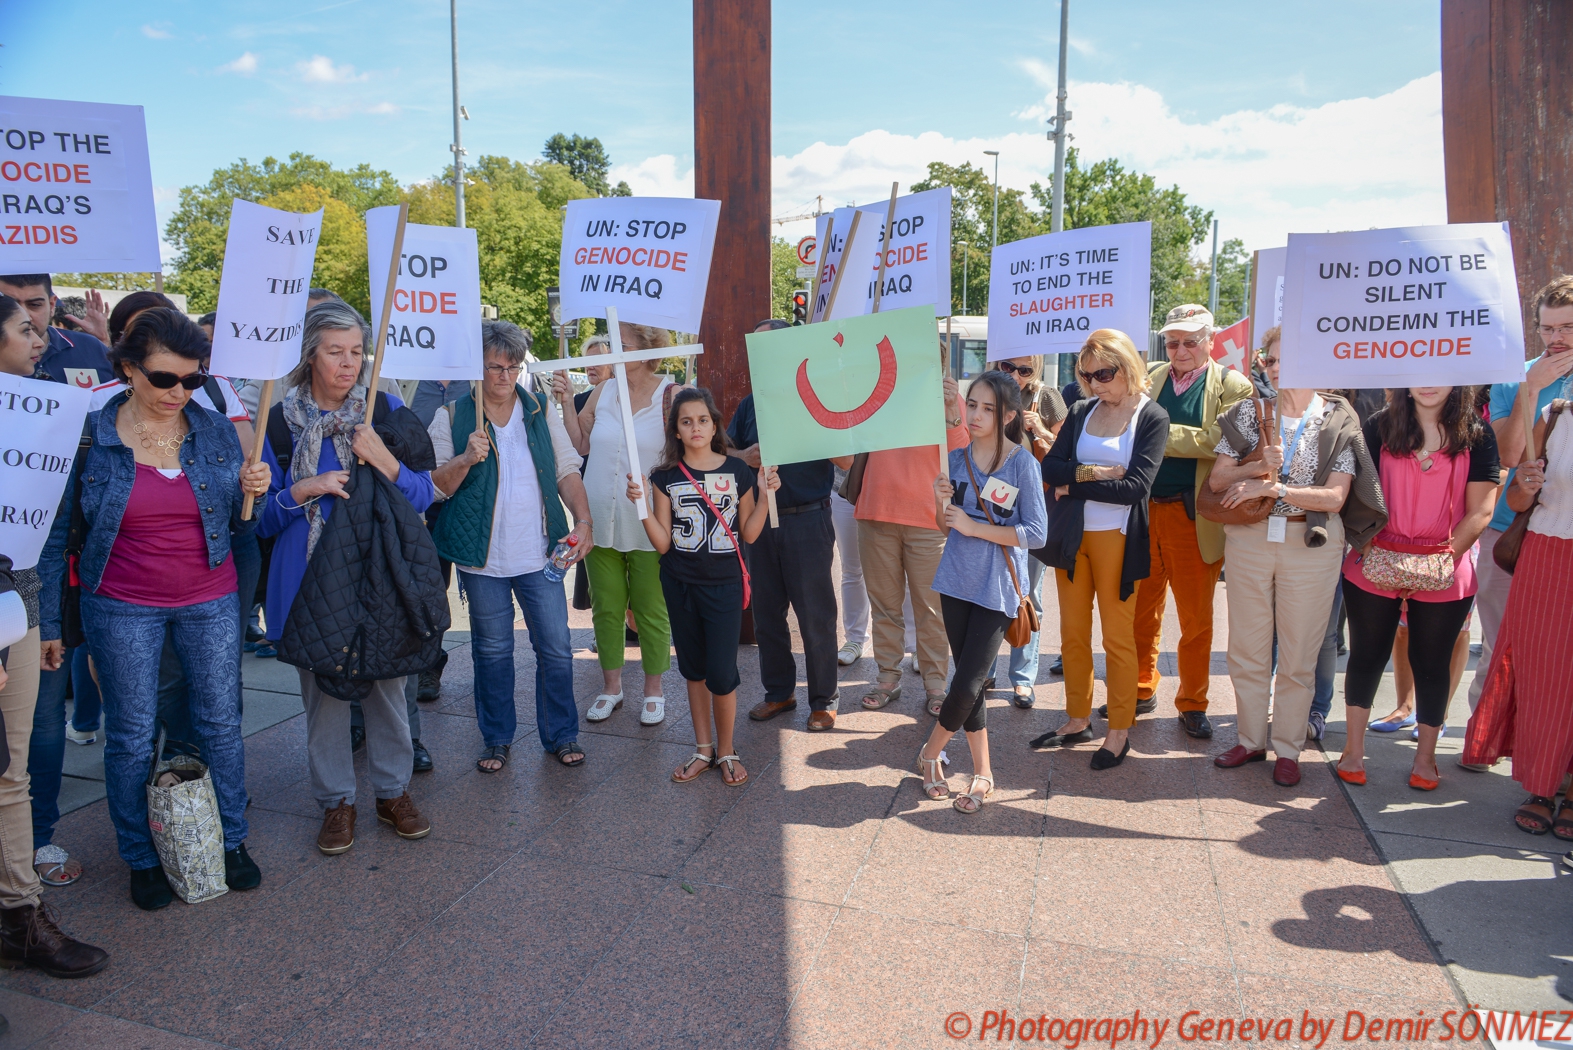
column 160, row 556
column 1420, row 512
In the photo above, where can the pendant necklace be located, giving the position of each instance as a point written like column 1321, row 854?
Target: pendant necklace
column 166, row 443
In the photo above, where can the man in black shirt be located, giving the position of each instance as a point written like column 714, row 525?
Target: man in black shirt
column 791, row 565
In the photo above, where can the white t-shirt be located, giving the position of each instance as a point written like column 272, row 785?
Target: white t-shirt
column 1107, row 452
column 234, row 408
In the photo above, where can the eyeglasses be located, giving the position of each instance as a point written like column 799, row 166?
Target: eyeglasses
column 1552, row 331
column 1025, row 371
column 1102, row 375
column 1189, row 344
column 498, row 371
column 1269, row 362
column 167, row 380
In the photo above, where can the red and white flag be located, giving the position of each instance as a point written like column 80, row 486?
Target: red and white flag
column 1230, row 346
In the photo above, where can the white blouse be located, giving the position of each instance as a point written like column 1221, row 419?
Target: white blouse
column 1107, row 452
column 1554, row 516
column 606, row 472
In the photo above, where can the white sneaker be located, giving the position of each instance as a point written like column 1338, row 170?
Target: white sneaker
column 80, row 738
column 850, row 654
column 654, row 711
column 603, row 707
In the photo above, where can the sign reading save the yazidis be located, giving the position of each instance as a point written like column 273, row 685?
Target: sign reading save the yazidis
column 434, row 331
column 1415, row 306
column 42, row 424
column 268, row 259
column 647, row 257
column 1047, row 293
column 76, row 191
column 860, row 384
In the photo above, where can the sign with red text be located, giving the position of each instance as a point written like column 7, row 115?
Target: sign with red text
column 1048, row 293
column 76, row 192
column 434, row 331
column 268, row 258
column 42, row 426
column 1231, row 346
column 1415, row 306
column 647, row 257
column 917, row 262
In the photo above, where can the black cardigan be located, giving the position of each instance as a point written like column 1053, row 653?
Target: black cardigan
column 1066, row 514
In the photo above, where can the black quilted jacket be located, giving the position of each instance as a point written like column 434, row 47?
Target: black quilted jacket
column 372, row 605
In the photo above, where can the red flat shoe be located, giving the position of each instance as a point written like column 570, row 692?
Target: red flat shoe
column 1237, row 756
column 1286, row 772
column 1420, row 783
column 1357, row 777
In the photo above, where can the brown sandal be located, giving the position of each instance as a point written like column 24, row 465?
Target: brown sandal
column 881, row 695
column 1529, row 820
column 971, row 801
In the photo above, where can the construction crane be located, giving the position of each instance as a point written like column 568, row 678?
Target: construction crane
column 819, row 209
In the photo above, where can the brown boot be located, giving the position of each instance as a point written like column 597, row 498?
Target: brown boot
column 29, row 937
column 405, row 818
column 338, row 829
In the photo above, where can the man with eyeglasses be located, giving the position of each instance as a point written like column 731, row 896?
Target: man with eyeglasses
column 1187, row 551
column 1546, row 378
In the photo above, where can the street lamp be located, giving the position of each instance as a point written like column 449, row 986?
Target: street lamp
column 964, row 247
column 994, row 240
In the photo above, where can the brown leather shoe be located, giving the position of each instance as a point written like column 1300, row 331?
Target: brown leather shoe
column 29, row 937
column 338, row 829
column 819, row 721
column 1286, row 772
column 405, row 818
column 1239, row 756
column 768, row 709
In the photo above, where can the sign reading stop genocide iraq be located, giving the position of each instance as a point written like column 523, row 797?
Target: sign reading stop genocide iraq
column 1048, row 293
column 40, row 428
column 434, row 331
column 647, row 257
column 76, row 192
column 1417, row 306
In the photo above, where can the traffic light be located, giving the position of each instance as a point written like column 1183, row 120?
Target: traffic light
column 800, row 306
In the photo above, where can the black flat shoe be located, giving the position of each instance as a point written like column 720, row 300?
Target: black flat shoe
column 1023, row 700
column 240, row 871
column 422, row 757
column 1054, row 738
column 1103, row 758
column 1196, row 724
column 1057, row 667
column 150, row 890
column 1143, row 707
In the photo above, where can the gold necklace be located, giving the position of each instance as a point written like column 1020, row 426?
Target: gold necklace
column 167, row 443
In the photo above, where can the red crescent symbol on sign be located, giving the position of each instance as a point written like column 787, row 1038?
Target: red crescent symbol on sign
column 876, row 401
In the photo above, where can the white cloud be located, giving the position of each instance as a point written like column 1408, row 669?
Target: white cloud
column 245, row 65
column 384, row 109
column 156, row 32
column 379, row 109
column 321, row 70
column 655, row 177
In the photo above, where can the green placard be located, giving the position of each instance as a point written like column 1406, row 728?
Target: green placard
column 860, row 384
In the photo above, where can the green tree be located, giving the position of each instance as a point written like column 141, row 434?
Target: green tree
column 783, row 277
column 120, row 282
column 340, row 263
column 1232, row 261
column 586, row 161
column 972, row 221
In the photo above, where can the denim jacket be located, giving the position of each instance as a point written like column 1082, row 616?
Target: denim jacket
column 211, row 458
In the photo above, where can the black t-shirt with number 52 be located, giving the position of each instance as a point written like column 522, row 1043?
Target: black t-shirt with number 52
column 701, row 551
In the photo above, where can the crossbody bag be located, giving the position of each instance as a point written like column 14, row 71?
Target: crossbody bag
column 737, row 548
column 1025, row 625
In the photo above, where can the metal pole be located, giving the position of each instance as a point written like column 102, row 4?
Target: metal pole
column 994, row 237
column 1061, row 116
column 1212, row 291
column 964, row 278
column 458, row 141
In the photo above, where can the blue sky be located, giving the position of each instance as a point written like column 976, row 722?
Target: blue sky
column 1227, row 86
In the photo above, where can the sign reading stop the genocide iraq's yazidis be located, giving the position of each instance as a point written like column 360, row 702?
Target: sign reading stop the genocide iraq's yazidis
column 40, row 428
column 268, row 258
column 1417, row 306
column 1048, row 293
column 434, row 331
column 860, row 384
column 76, row 192
column 917, row 262
column 647, row 257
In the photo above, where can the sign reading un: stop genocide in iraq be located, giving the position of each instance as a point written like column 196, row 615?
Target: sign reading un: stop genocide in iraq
column 648, row 257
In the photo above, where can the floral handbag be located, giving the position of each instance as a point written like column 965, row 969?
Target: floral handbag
column 1406, row 567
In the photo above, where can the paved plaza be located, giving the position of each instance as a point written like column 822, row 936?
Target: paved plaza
column 826, row 903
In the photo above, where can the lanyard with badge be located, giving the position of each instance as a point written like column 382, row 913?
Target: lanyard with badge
column 1278, row 524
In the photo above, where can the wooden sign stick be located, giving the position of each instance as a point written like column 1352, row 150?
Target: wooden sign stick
column 884, row 248
column 264, row 405
column 819, row 269
column 387, row 313
column 841, row 268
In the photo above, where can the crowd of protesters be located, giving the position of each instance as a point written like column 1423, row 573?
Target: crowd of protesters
column 1137, row 481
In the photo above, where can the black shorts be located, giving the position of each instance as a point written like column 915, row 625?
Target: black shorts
column 707, row 621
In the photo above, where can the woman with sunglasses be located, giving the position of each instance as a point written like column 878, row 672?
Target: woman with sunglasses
column 160, row 489
column 1100, row 473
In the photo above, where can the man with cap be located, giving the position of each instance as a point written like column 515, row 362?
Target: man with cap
column 1187, row 551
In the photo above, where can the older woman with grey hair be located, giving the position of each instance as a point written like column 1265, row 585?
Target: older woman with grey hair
column 324, row 415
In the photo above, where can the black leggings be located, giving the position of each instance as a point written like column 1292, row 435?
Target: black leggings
column 1433, row 631
column 975, row 634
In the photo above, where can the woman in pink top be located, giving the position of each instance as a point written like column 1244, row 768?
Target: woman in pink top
column 1438, row 465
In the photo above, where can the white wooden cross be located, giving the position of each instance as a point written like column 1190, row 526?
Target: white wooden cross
column 618, row 359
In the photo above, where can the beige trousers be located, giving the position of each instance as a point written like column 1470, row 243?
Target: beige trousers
column 18, row 880
column 1284, row 588
column 897, row 560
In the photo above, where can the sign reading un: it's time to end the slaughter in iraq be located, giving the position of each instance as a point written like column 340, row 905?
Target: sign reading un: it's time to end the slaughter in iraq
column 76, row 191
column 1048, row 293
column 649, row 257
column 1415, row 306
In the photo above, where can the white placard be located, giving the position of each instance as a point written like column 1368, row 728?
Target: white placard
column 434, row 331
column 647, row 257
column 1416, row 306
column 1047, row 293
column 40, row 428
column 1268, row 309
column 917, row 263
column 837, row 225
column 76, row 192
column 859, row 250
column 268, row 258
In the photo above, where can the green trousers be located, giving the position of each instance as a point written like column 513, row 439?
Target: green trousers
column 623, row 580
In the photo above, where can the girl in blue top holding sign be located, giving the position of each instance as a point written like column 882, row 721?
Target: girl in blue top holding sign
column 991, row 511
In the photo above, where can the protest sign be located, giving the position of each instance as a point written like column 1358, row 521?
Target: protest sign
column 861, row 384
column 41, row 424
column 917, row 263
column 268, row 258
column 1231, row 346
column 1047, row 293
column 76, row 192
column 1415, row 306
column 1267, row 281
column 434, row 326
column 649, row 257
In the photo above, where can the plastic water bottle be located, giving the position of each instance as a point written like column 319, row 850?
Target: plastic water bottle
column 557, row 564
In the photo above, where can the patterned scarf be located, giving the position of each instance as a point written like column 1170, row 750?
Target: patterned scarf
column 308, row 425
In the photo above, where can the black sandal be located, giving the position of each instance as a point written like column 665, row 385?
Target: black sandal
column 495, row 753
column 1562, row 823
column 570, row 748
column 1534, row 823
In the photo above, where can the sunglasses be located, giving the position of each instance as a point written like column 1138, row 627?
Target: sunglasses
column 1024, row 371
column 1189, row 344
column 1102, row 375
column 1269, row 362
column 167, row 380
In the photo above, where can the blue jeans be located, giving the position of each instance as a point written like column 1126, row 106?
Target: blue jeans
column 46, row 751
column 86, row 705
column 1327, row 660
column 1023, row 667
column 127, row 642
column 545, row 606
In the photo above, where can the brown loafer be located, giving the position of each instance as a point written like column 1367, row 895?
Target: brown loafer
column 338, row 829
column 1239, row 756
column 405, row 818
column 819, row 721
column 768, row 709
column 1286, row 772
